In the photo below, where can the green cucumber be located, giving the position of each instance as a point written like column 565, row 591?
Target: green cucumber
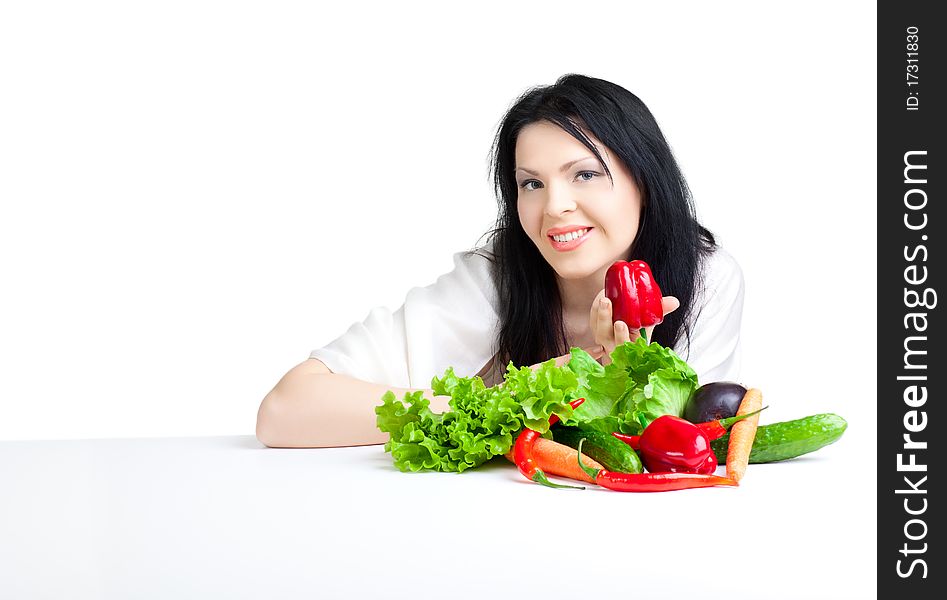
column 612, row 453
column 788, row 439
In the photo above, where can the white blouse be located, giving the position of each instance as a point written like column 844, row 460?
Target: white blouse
column 454, row 323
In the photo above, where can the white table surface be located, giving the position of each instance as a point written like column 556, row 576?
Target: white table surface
column 225, row 517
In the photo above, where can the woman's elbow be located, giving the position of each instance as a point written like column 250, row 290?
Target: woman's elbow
column 265, row 419
column 275, row 410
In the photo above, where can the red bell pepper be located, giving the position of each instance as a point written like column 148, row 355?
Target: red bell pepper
column 673, row 445
column 713, row 429
column 634, row 294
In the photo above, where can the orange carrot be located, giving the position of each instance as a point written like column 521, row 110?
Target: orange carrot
column 558, row 459
column 742, row 434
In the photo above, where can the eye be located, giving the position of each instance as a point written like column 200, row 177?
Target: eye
column 593, row 174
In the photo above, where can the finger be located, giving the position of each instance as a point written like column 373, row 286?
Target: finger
column 604, row 356
column 594, row 309
column 668, row 304
column 603, row 325
column 622, row 334
column 596, row 351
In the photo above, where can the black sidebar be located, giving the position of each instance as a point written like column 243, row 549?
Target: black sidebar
column 912, row 370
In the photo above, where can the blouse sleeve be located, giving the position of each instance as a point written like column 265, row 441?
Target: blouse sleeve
column 714, row 351
column 450, row 323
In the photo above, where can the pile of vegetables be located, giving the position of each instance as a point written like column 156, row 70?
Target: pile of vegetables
column 644, row 410
column 628, row 415
column 643, row 382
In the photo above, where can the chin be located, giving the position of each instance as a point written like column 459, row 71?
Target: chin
column 578, row 264
column 576, row 270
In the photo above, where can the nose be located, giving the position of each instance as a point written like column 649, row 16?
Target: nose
column 559, row 199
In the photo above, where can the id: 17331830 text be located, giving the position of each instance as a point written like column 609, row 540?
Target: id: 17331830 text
column 911, row 46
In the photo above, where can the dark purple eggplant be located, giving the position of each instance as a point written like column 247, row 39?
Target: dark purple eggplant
column 711, row 401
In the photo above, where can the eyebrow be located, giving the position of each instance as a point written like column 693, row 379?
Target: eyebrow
column 562, row 168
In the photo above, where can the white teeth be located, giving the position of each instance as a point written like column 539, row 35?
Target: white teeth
column 568, row 237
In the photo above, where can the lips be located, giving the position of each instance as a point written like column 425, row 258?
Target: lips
column 571, row 244
column 563, row 230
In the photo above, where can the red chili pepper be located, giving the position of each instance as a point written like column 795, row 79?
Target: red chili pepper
column 634, row 294
column 523, row 453
column 723, row 425
column 718, row 429
column 631, row 440
column 651, row 482
column 713, row 429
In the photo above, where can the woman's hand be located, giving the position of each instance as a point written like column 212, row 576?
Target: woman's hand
column 610, row 334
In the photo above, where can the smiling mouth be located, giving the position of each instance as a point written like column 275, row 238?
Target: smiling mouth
column 572, row 235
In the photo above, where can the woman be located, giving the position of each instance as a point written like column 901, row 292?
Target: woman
column 584, row 177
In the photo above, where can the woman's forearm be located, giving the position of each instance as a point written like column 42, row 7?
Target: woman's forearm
column 323, row 410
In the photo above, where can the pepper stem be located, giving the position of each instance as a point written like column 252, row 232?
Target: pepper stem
column 728, row 422
column 591, row 472
column 540, row 477
column 644, row 334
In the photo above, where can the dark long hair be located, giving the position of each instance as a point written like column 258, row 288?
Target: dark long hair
column 669, row 238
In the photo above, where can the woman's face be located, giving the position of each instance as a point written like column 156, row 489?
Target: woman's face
column 557, row 195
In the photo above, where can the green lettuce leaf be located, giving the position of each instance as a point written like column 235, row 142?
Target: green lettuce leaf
column 481, row 422
column 643, row 382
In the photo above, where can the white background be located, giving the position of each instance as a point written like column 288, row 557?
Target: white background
column 196, row 194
